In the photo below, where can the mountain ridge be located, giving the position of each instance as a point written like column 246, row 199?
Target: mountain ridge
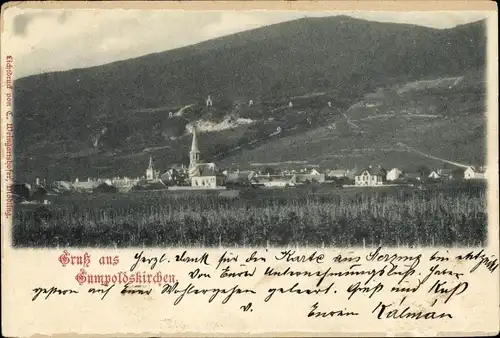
column 337, row 56
column 201, row 43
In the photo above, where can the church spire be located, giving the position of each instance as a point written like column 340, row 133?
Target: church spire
column 194, row 154
column 194, row 145
column 150, row 173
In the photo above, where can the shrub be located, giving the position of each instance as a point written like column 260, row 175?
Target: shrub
column 105, row 188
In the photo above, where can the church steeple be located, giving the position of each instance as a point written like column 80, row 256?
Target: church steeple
column 194, row 154
column 150, row 173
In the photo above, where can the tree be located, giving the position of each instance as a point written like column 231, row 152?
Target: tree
column 423, row 171
column 20, row 192
column 42, row 214
column 105, row 188
column 38, row 193
column 269, row 170
column 457, row 173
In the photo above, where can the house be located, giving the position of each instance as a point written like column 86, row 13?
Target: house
column 281, row 182
column 273, row 180
column 310, row 178
column 475, row 173
column 41, row 184
column 171, row 177
column 62, row 185
column 434, row 175
column 88, row 185
column 337, row 173
column 441, row 174
column 240, row 177
column 371, row 176
column 350, row 174
column 306, row 176
column 394, row 174
column 180, row 168
column 289, row 171
column 412, row 176
column 125, row 183
column 314, row 172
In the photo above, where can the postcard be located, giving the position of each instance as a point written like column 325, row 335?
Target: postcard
column 249, row 168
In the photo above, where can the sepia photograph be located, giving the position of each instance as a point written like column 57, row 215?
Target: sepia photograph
column 209, row 129
column 250, row 168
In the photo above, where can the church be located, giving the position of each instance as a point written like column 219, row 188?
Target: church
column 151, row 173
column 203, row 175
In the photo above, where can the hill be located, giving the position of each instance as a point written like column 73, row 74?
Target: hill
column 108, row 120
column 431, row 122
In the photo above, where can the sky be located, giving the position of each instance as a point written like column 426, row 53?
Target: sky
column 51, row 40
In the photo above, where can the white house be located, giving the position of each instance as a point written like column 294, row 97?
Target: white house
column 311, row 177
column 441, row 173
column 61, row 185
column 86, row 185
column 281, row 182
column 434, row 175
column 243, row 176
column 314, row 172
column 394, row 174
column 125, row 183
column 472, row 173
column 170, row 176
column 371, row 176
column 339, row 173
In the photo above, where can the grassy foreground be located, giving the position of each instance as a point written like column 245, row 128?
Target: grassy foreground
column 354, row 217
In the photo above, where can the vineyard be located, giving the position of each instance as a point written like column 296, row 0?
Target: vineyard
column 256, row 218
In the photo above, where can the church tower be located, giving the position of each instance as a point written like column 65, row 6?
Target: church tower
column 194, row 154
column 150, row 171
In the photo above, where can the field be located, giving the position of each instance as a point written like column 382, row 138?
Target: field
column 312, row 216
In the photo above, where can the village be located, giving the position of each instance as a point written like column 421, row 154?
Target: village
column 200, row 175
